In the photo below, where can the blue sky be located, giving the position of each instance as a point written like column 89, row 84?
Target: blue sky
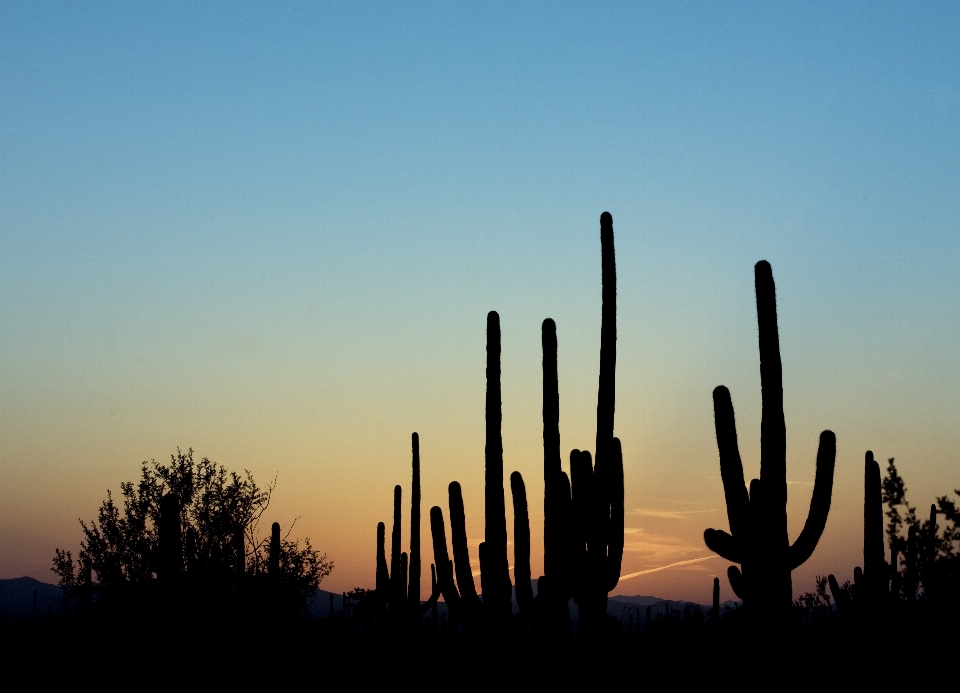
column 272, row 232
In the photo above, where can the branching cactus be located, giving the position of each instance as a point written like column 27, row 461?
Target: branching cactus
column 870, row 589
column 495, row 610
column 398, row 586
column 583, row 521
column 758, row 538
column 596, row 499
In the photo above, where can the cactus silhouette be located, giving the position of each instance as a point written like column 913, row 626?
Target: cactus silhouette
column 597, row 488
column 274, row 566
column 398, row 586
column 583, row 520
column 169, row 541
column 870, row 588
column 758, row 538
column 413, row 569
column 495, row 610
column 715, row 614
column 554, row 589
column 494, row 567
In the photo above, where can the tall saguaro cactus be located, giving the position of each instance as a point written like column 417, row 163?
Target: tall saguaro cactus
column 583, row 514
column 494, row 566
column 413, row 592
column 758, row 538
column 597, row 488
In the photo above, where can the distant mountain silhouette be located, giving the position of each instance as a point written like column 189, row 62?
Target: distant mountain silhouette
column 17, row 600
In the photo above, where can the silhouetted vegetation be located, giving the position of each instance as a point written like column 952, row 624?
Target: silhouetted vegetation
column 183, row 545
column 185, row 541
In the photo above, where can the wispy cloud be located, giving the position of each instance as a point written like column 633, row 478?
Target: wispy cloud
column 666, row 567
column 668, row 514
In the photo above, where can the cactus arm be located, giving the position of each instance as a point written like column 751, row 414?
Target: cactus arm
column 839, row 596
column 737, row 582
column 444, row 570
column 521, row 544
column 434, row 591
column 615, row 539
column 458, row 537
column 723, row 545
column 803, row 547
column 413, row 591
column 731, row 466
column 581, row 482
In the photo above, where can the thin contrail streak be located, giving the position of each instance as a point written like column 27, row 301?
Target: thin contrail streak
column 664, row 567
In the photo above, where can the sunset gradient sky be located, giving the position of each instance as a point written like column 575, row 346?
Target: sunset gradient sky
column 272, row 232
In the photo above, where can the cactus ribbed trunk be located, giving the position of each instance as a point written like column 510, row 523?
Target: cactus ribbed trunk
column 413, row 594
column 715, row 614
column 874, row 567
column 774, row 585
column 397, row 590
column 169, row 542
column 597, row 485
column 383, row 572
column 494, row 566
column 553, row 531
column 274, row 565
column 521, row 544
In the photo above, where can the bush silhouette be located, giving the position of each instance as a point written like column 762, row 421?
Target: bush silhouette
column 185, row 542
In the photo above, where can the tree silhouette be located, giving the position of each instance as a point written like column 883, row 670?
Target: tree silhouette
column 186, row 539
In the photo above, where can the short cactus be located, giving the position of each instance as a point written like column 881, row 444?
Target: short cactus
column 871, row 585
column 398, row 586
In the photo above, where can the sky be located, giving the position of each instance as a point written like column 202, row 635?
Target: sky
column 272, row 232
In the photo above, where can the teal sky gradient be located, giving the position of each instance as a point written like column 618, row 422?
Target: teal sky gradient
column 272, row 233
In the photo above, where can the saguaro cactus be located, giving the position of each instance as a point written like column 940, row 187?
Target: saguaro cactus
column 554, row 587
column 597, row 489
column 715, row 613
column 758, row 538
column 583, row 520
column 274, row 565
column 871, row 584
column 497, row 589
column 383, row 572
column 413, row 591
column 169, row 541
column 494, row 566
column 398, row 586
